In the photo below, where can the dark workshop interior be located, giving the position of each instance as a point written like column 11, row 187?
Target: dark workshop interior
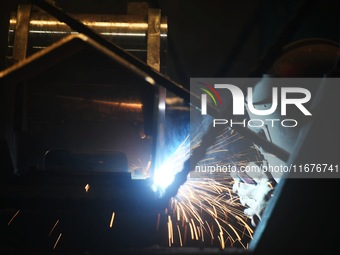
column 95, row 124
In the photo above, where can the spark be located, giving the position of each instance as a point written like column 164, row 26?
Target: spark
column 191, row 231
column 178, row 213
column 170, row 231
column 270, row 185
column 158, row 220
column 194, row 229
column 207, row 204
column 169, row 224
column 185, row 233
column 201, row 230
column 87, row 187
column 180, row 236
column 56, row 243
column 202, row 199
column 112, row 219
column 233, row 229
column 15, row 215
column 220, row 238
column 211, row 232
column 55, row 225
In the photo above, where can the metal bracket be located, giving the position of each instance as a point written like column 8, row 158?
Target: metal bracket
column 153, row 60
column 21, row 32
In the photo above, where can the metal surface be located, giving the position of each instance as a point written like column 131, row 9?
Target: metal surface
column 128, row 31
column 154, row 38
column 21, row 36
column 154, row 60
column 21, row 32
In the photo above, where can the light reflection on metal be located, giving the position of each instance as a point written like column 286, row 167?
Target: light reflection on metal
column 50, row 32
column 110, row 25
column 124, row 34
column 128, row 31
column 128, row 106
column 150, row 80
column 92, row 23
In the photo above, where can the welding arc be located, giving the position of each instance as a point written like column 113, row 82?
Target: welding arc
column 197, row 154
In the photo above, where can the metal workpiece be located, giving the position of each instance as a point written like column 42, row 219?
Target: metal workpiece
column 127, row 31
column 20, row 40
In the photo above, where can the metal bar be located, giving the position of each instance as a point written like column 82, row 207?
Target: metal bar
column 21, row 32
column 81, row 28
column 154, row 60
column 153, row 39
column 128, row 31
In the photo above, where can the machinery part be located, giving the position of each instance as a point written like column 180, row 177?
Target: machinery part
column 21, row 32
column 131, row 32
column 154, row 39
column 154, row 60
